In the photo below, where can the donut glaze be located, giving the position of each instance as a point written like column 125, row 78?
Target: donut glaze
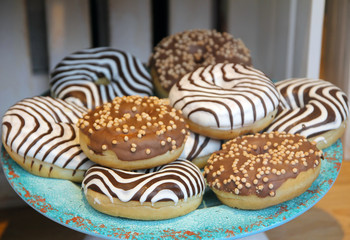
column 183, row 52
column 259, row 165
column 44, row 128
column 176, row 181
column 134, row 128
column 224, row 96
column 310, row 107
column 91, row 77
column 198, row 146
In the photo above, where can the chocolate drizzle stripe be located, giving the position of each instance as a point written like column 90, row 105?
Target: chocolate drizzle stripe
column 90, row 65
column 301, row 97
column 180, row 179
column 247, row 92
column 201, row 147
column 46, row 127
column 191, row 155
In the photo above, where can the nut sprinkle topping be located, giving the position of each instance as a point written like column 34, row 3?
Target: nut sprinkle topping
column 134, row 128
column 183, row 52
column 260, row 163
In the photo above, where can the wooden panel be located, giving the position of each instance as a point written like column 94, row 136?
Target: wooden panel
column 17, row 80
column 68, row 27
column 258, row 23
column 279, row 34
column 336, row 53
column 190, row 14
column 130, row 23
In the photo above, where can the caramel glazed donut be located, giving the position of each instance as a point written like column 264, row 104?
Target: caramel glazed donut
column 133, row 132
column 183, row 52
column 262, row 170
column 314, row 108
column 95, row 76
column 224, row 101
column 164, row 192
column 39, row 133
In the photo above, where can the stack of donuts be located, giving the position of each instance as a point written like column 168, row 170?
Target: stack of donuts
column 136, row 136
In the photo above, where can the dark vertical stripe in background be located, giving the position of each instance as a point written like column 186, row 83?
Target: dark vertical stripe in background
column 99, row 23
column 160, row 20
column 220, row 15
column 36, row 20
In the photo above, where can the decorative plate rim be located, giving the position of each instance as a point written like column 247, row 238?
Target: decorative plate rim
column 77, row 214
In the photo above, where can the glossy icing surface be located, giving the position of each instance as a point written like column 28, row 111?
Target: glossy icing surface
column 309, row 107
column 198, row 146
column 224, row 96
column 134, row 128
column 44, row 128
column 259, row 164
column 94, row 76
column 178, row 180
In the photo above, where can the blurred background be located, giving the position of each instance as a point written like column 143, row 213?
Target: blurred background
column 287, row 38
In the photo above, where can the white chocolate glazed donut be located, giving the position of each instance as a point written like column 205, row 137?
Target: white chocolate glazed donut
column 164, row 192
column 39, row 133
column 225, row 100
column 91, row 77
column 314, row 108
column 198, row 148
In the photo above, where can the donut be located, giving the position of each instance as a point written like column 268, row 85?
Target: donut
column 39, row 134
column 133, row 132
column 183, row 52
column 223, row 101
column 164, row 192
column 313, row 108
column 198, row 148
column 94, row 76
column 261, row 170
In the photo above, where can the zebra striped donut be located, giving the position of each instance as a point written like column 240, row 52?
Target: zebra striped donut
column 163, row 192
column 198, row 148
column 39, row 133
column 225, row 100
column 95, row 76
column 314, row 108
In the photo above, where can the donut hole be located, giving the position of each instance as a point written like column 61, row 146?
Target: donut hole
column 103, row 81
column 198, row 53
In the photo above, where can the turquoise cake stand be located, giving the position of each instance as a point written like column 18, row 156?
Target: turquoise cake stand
column 63, row 202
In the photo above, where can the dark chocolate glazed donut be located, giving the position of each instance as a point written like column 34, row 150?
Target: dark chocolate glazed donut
column 134, row 128
column 183, row 52
column 259, row 164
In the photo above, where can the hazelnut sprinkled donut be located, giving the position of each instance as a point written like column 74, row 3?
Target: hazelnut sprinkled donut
column 133, row 132
column 94, row 76
column 39, row 133
column 224, row 101
column 183, row 52
column 164, row 192
column 261, row 170
column 314, row 108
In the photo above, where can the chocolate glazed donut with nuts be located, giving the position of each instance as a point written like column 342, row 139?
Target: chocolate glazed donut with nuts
column 183, row 52
column 133, row 132
column 262, row 170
